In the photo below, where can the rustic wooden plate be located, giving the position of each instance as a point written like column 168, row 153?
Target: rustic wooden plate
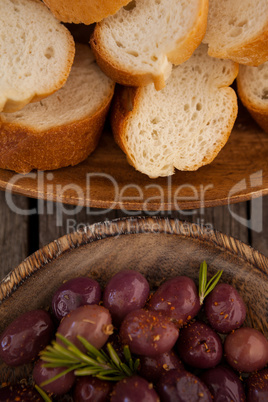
column 106, row 180
column 158, row 248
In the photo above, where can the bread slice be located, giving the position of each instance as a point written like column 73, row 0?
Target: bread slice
column 183, row 126
column 62, row 129
column 36, row 53
column 84, row 11
column 238, row 30
column 252, row 85
column 138, row 45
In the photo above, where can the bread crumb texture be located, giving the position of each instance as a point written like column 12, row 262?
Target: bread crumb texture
column 183, row 126
column 140, row 42
column 252, row 85
column 36, row 53
column 238, row 30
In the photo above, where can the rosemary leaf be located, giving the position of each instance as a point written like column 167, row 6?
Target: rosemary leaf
column 212, row 283
column 126, row 369
column 204, row 287
column 127, row 353
column 114, row 356
column 94, row 352
column 136, row 364
column 107, row 378
column 43, row 394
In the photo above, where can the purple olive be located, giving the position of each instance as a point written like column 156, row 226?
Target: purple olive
column 181, row 386
column 225, row 309
column 75, row 293
column 126, row 291
column 57, row 387
column 257, row 386
column 93, row 322
column 151, row 368
column 20, row 392
column 25, row 337
column 148, row 333
column 223, row 384
column 246, row 349
column 199, row 346
column 134, row 389
column 91, row 389
column 177, row 298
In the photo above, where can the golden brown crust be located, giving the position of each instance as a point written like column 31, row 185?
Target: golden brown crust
column 124, row 104
column 257, row 112
column 184, row 49
column 84, row 11
column 187, row 45
column 252, row 53
column 23, row 149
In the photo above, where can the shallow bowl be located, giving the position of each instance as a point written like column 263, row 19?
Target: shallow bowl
column 158, row 248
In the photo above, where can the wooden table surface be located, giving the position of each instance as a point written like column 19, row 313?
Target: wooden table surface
column 21, row 235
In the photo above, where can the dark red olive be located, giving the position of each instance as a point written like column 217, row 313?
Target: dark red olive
column 148, row 333
column 25, row 337
column 91, row 389
column 246, row 349
column 176, row 298
column 75, row 293
column 134, row 389
column 225, row 309
column 199, row 346
column 151, row 368
column 126, row 291
column 224, row 384
column 91, row 322
column 59, row 386
column 181, row 386
column 257, row 386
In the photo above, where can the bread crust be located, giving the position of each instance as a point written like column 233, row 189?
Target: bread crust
column 259, row 114
column 183, row 50
column 23, row 149
column 252, row 53
column 12, row 105
column 84, row 11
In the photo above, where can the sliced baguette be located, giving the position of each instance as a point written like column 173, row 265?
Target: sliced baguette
column 36, row 53
column 138, row 44
column 62, row 129
column 252, row 85
column 84, row 11
column 183, row 126
column 238, row 30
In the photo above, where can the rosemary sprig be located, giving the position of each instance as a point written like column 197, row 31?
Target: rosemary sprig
column 204, row 287
column 94, row 362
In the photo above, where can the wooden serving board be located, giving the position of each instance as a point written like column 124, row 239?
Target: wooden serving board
column 105, row 180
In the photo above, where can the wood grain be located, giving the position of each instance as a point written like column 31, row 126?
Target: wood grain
column 13, row 234
column 239, row 173
column 259, row 231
